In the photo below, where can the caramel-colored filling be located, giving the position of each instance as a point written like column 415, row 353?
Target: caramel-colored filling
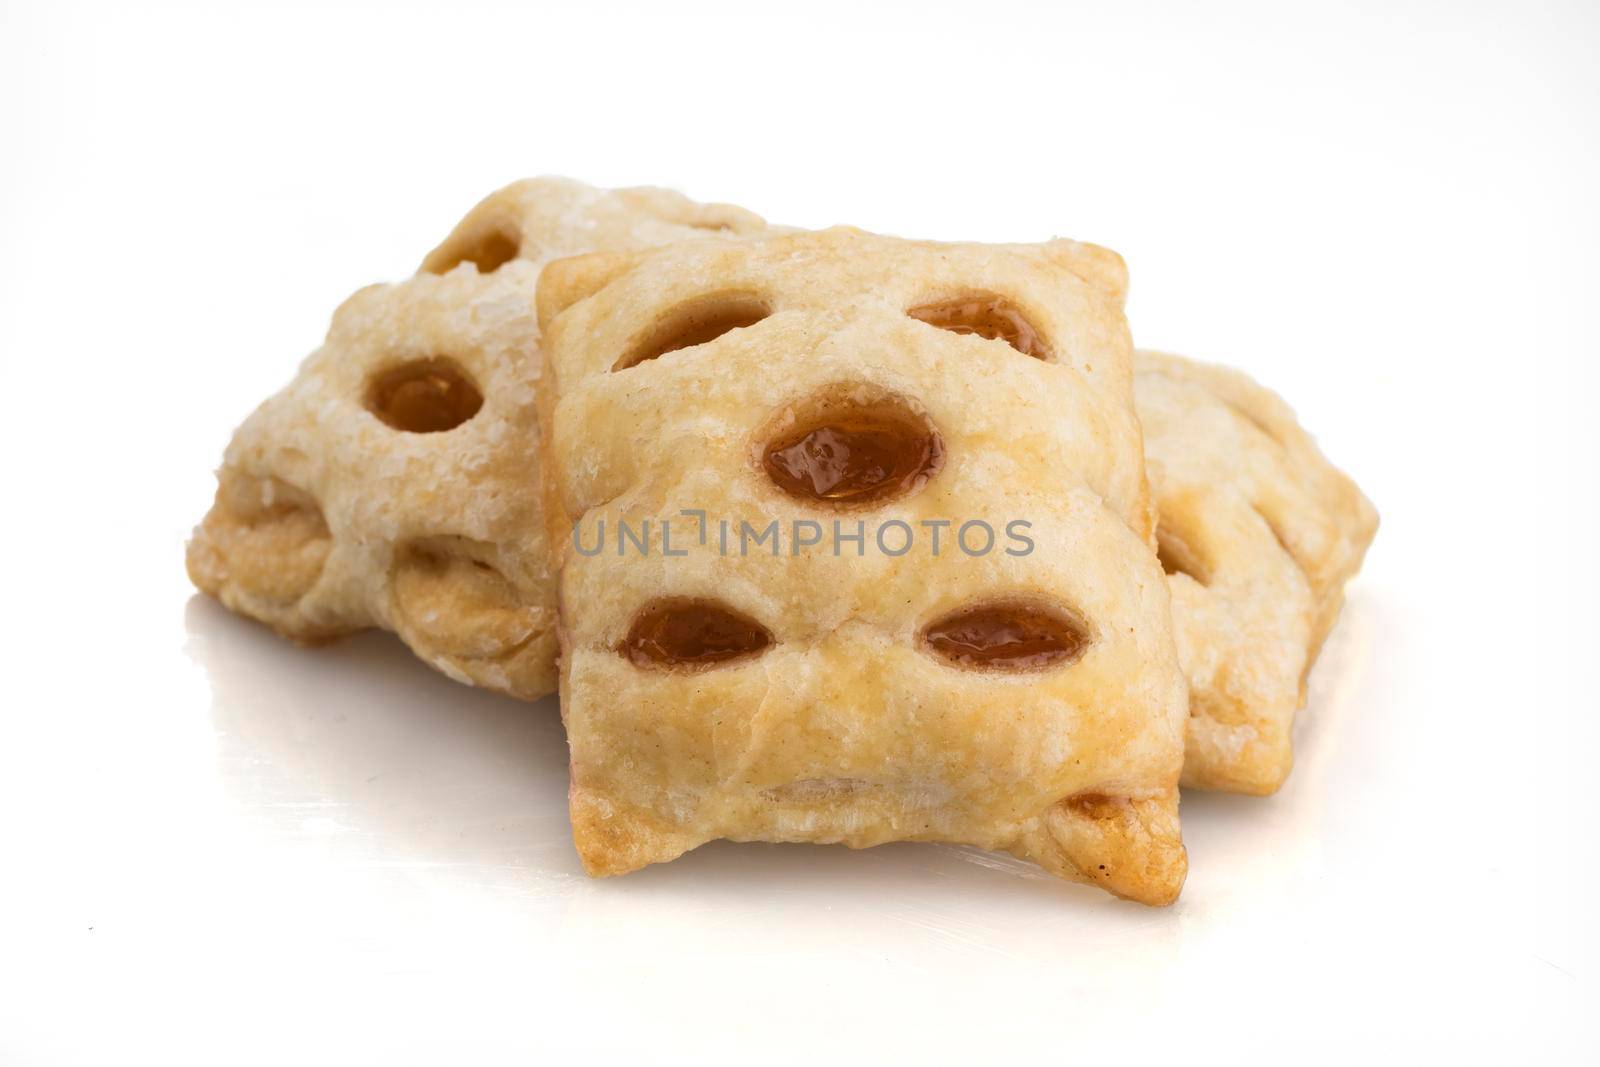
column 987, row 316
column 698, row 322
column 1015, row 637
column 693, row 634
column 855, row 454
column 426, row 396
column 1094, row 805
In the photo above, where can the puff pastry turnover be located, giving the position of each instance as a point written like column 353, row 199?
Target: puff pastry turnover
column 842, row 690
column 1258, row 533
column 394, row 482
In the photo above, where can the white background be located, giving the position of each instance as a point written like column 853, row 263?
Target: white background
column 219, row 848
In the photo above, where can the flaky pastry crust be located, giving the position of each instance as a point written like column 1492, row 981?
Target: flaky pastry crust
column 844, row 724
column 395, row 481
column 1258, row 533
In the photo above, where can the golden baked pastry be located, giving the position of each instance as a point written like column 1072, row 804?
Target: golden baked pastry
column 394, row 482
column 1258, row 533
column 748, row 448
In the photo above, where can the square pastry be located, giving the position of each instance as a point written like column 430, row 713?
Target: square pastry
column 853, row 544
column 395, row 481
column 1258, row 533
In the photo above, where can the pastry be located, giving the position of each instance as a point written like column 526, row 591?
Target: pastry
column 751, row 451
column 394, row 482
column 1258, row 533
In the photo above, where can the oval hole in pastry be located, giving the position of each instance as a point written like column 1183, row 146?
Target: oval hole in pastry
column 423, row 396
column 488, row 251
column 1008, row 636
column 986, row 315
column 696, row 322
column 1177, row 557
column 692, row 634
column 852, row 444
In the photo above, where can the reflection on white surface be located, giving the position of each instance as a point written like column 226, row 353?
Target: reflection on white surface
column 361, row 740
column 360, row 754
